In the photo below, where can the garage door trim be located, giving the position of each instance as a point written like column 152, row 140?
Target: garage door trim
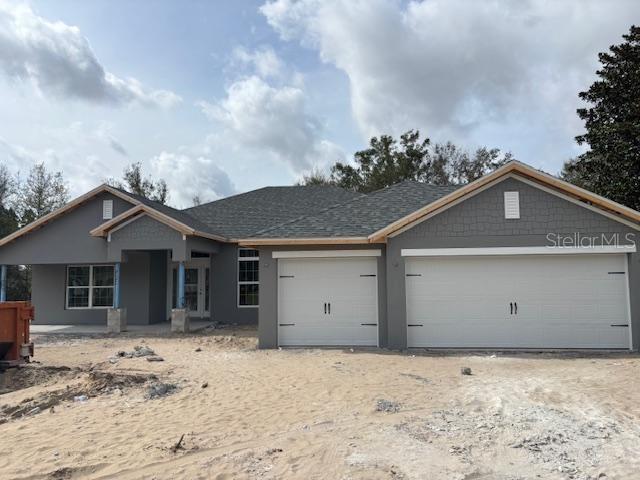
column 326, row 253
column 455, row 252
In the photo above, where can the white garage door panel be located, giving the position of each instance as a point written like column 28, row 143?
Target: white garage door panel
column 563, row 301
column 349, row 285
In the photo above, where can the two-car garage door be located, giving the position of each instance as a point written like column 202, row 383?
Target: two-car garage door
column 485, row 301
column 525, row 301
column 328, row 301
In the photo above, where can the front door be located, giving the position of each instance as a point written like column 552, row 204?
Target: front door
column 196, row 288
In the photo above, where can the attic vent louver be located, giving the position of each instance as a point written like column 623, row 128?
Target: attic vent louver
column 107, row 209
column 511, row 205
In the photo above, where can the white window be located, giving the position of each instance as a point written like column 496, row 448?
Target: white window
column 248, row 277
column 90, row 286
column 107, row 209
column 511, row 205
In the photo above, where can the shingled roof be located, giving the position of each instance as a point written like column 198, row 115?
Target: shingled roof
column 243, row 215
column 304, row 211
column 361, row 216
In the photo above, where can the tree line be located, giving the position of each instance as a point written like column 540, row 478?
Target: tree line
column 388, row 161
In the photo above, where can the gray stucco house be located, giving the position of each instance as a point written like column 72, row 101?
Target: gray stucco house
column 516, row 259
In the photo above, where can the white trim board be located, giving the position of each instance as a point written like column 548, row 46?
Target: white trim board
column 449, row 252
column 326, row 253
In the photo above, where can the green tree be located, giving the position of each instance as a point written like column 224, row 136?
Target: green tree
column 18, row 276
column 41, row 193
column 456, row 166
column 134, row 182
column 316, row 177
column 8, row 218
column 611, row 166
column 385, row 162
column 388, row 161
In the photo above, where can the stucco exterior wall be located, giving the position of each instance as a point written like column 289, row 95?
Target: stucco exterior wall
column 479, row 222
column 65, row 239
column 224, row 293
column 142, row 292
column 48, row 286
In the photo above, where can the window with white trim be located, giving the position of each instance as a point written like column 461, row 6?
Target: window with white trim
column 248, row 277
column 90, row 286
column 107, row 209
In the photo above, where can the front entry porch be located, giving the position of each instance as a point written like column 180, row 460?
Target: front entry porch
column 196, row 285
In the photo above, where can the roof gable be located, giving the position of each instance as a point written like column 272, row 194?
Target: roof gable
column 81, row 200
column 514, row 167
column 542, row 212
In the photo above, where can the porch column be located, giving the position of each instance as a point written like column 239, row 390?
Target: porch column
column 3, row 283
column 180, row 304
column 179, row 315
column 116, row 285
column 116, row 316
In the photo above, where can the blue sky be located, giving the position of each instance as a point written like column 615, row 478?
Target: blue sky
column 222, row 97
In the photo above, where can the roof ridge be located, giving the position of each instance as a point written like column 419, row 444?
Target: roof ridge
column 259, row 189
column 225, row 198
column 297, row 219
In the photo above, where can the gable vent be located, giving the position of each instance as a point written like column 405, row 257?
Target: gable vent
column 107, row 209
column 511, row 205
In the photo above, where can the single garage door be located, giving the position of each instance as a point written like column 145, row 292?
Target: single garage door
column 527, row 301
column 327, row 301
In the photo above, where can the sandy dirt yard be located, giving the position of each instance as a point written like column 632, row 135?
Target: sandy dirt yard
column 305, row 414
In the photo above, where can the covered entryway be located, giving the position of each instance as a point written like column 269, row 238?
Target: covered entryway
column 328, row 301
column 197, row 289
column 518, row 301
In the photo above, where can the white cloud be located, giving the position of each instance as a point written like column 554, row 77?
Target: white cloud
column 58, row 60
column 80, row 172
column 271, row 120
column 264, row 60
column 188, row 176
column 103, row 133
column 472, row 71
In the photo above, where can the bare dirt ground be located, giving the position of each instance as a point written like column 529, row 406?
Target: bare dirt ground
column 97, row 408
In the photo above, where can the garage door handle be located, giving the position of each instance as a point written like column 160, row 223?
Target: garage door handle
column 511, row 306
column 329, row 308
column 325, row 308
column 369, row 324
column 415, row 325
column 286, row 324
column 515, row 304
